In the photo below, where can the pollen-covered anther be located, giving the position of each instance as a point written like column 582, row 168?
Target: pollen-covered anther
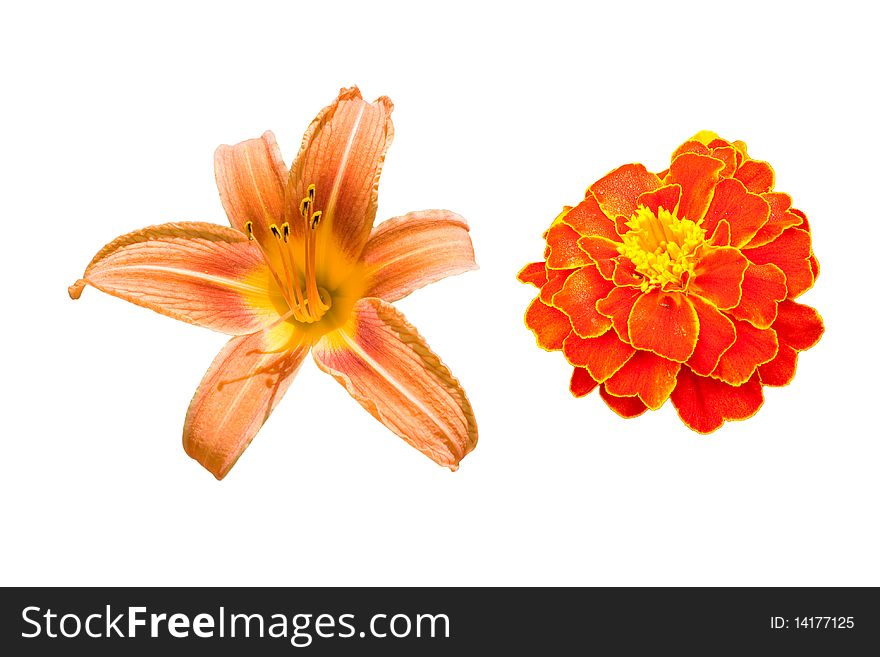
column 316, row 219
column 249, row 227
column 662, row 247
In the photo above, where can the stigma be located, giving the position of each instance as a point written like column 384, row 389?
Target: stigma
column 662, row 247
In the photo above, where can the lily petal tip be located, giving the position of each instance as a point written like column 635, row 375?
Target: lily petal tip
column 76, row 290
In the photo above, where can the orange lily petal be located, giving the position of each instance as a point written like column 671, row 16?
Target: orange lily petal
column 756, row 175
column 625, row 407
column 619, row 191
column 782, row 216
column 762, row 287
column 581, row 384
column 666, row 197
column 779, row 371
column 745, row 212
column 587, row 218
column 389, row 369
column 791, row 253
column 704, row 403
column 534, row 273
column 718, row 276
column 717, row 334
column 603, row 253
column 251, row 177
column 647, row 375
column 617, row 306
column 753, row 347
column 601, row 356
column 578, row 297
column 342, row 155
column 244, row 383
column 565, row 253
column 409, row 252
column 664, row 323
column 697, row 175
column 199, row 273
column 550, row 326
column 798, row 326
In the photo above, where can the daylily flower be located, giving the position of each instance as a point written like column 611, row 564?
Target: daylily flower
column 301, row 269
column 679, row 285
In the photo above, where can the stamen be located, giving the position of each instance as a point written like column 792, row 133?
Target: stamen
column 285, row 232
column 249, row 227
column 304, row 207
column 316, row 218
column 311, row 192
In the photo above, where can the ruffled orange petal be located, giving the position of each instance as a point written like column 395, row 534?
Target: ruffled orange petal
column 244, row 383
column 664, row 323
column 409, row 252
column 647, row 375
column 753, row 347
column 534, row 273
column 617, row 306
column 550, row 326
column 721, row 234
column 697, row 175
column 581, row 384
column 625, row 274
column 756, row 175
column 565, row 253
column 782, row 216
column 745, row 212
column 625, row 407
column 726, row 154
column 704, row 403
column 555, row 280
column 798, row 326
column 619, row 191
column 718, row 276
column 587, row 218
column 791, row 253
column 199, row 273
column 666, row 197
column 578, row 297
column 763, row 287
column 602, row 356
column 387, row 367
column 603, row 253
column 779, row 371
column 717, row 334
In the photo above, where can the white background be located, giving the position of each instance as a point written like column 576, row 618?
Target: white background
column 504, row 112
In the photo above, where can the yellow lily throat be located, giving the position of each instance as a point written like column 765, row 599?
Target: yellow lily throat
column 306, row 302
column 662, row 247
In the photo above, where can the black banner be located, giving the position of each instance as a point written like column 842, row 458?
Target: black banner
column 406, row 621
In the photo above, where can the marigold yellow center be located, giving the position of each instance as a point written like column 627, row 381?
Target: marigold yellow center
column 662, row 247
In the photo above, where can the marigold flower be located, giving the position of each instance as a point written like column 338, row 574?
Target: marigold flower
column 301, row 269
column 679, row 285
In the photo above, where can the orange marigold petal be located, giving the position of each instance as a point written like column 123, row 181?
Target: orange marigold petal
column 779, row 371
column 745, row 212
column 726, row 154
column 763, row 287
column 756, row 175
column 602, row 356
column 704, row 404
column 691, row 146
column 718, row 276
column 549, row 325
column 578, row 297
column 581, row 384
column 753, row 347
column 534, row 273
column 564, row 253
column 602, row 251
column 625, row 407
column 587, row 218
column 697, row 175
column 666, row 197
column 619, row 191
column 791, row 253
column 717, row 334
column 814, row 267
column 664, row 323
column 625, row 274
column 647, row 375
column 782, row 216
column 617, row 306
column 721, row 235
column 798, row 326
column 555, row 280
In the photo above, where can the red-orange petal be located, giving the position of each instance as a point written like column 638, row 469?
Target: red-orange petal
column 625, row 407
column 602, row 356
column 578, row 297
column 664, row 323
column 691, row 146
column 763, row 287
column 726, row 154
column 753, row 347
column 647, row 375
column 666, row 197
column 625, row 274
column 534, row 273
column 704, row 404
column 617, row 306
column 587, row 218
column 565, row 253
column 745, row 212
column 798, row 326
column 721, row 234
column 697, row 175
column 782, row 216
column 602, row 251
column 581, row 384
column 717, row 334
column 780, row 371
column 791, row 253
column 718, row 276
column 619, row 191
column 555, row 280
column 756, row 175
column 549, row 325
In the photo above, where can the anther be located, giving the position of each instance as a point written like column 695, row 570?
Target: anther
column 249, row 227
column 304, row 206
column 285, row 231
column 316, row 217
column 275, row 231
column 311, row 192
